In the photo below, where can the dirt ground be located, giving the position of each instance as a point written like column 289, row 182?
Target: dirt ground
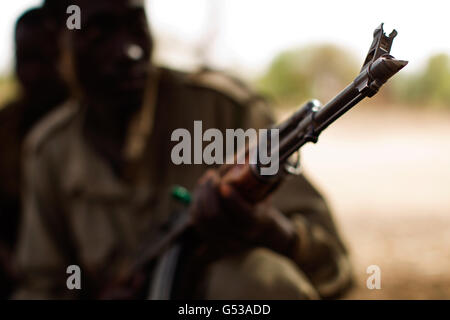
column 386, row 174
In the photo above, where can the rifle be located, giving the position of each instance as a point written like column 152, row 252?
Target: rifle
column 304, row 126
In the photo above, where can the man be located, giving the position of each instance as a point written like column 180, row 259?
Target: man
column 41, row 90
column 99, row 175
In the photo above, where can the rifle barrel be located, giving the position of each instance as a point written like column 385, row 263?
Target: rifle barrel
column 376, row 75
column 366, row 84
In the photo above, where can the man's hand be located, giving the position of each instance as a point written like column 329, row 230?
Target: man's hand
column 220, row 213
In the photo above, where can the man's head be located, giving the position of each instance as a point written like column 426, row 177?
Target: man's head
column 111, row 52
column 37, row 56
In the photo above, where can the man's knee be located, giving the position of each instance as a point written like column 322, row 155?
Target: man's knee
column 257, row 274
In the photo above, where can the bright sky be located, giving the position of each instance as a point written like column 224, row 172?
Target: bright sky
column 249, row 33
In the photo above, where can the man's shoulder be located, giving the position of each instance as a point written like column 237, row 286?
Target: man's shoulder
column 216, row 82
column 52, row 126
column 238, row 104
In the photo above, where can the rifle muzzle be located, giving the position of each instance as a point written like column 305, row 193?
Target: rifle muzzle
column 378, row 73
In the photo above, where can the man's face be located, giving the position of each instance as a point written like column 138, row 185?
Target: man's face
column 112, row 50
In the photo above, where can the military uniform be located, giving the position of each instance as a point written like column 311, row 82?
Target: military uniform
column 77, row 211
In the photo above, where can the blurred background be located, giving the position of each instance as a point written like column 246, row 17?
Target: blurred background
column 385, row 166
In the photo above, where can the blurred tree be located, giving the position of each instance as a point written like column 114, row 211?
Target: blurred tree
column 436, row 79
column 318, row 71
column 430, row 86
column 8, row 89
